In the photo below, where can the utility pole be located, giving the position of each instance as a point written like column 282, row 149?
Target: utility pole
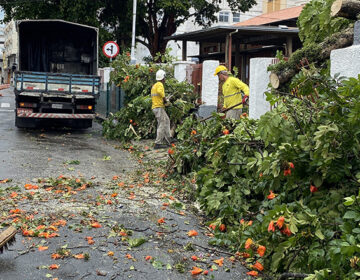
column 133, row 59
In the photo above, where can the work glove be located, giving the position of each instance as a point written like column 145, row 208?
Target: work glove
column 245, row 99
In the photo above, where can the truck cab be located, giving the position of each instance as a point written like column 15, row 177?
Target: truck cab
column 56, row 83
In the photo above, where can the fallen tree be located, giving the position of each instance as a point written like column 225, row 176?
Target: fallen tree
column 313, row 53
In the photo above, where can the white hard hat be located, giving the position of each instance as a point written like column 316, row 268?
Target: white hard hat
column 160, row 75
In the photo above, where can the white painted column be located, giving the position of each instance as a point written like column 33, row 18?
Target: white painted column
column 345, row 62
column 180, row 69
column 209, row 88
column 259, row 80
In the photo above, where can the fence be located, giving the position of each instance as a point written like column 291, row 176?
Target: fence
column 111, row 100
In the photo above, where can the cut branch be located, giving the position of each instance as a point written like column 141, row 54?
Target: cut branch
column 349, row 9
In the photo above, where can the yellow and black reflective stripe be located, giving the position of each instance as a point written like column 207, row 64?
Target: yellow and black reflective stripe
column 233, row 94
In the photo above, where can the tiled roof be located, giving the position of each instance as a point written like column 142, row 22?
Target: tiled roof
column 284, row 14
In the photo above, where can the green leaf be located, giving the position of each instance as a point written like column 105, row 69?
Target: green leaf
column 349, row 200
column 350, row 215
column 157, row 264
column 136, row 242
column 319, row 234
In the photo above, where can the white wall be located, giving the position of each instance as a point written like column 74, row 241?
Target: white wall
column 259, row 80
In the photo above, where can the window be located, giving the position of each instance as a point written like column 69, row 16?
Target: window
column 236, row 17
column 224, row 16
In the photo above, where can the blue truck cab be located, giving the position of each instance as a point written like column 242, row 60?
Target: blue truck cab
column 56, row 83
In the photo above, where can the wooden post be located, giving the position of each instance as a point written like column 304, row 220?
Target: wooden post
column 227, row 51
column 243, row 65
column 184, row 50
column 230, row 53
column 289, row 46
column 237, row 54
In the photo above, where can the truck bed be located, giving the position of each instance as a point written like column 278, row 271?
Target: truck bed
column 43, row 97
column 60, row 83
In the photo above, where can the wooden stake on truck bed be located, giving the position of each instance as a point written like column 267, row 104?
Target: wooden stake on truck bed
column 7, row 237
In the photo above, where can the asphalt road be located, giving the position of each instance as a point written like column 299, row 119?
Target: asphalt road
column 27, row 154
column 76, row 180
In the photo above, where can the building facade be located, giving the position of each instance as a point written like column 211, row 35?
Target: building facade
column 225, row 18
column 10, row 59
column 2, row 40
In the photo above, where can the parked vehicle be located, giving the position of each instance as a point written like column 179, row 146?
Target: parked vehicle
column 56, row 83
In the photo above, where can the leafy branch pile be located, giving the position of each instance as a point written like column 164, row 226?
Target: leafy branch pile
column 136, row 120
column 283, row 191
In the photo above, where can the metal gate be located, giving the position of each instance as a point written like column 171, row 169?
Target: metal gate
column 111, row 100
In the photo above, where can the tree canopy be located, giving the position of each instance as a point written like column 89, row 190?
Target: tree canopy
column 156, row 19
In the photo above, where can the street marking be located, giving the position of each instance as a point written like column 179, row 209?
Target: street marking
column 6, row 110
column 5, row 105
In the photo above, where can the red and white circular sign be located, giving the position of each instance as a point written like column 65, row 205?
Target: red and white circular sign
column 111, row 49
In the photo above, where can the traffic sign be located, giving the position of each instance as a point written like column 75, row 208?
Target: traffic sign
column 111, row 49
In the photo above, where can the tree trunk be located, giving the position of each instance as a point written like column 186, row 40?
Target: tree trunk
column 345, row 8
column 338, row 40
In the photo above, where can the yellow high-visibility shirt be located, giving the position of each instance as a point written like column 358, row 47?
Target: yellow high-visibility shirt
column 157, row 95
column 232, row 92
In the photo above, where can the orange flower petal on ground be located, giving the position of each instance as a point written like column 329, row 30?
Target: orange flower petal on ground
column 79, row 256
column 219, row 262
column 196, row 270
column 212, row 226
column 96, row 225
column 13, row 195
column 147, row 258
column 261, row 250
column 248, row 243
column 56, row 256
column 194, row 258
column 42, row 248
column 252, row 273
column 192, row 233
column 161, row 220
column 129, row 256
column 54, row 266
column 258, row 266
column 110, row 253
column 90, row 240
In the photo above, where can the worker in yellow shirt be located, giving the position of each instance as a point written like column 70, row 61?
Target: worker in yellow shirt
column 163, row 138
column 234, row 91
